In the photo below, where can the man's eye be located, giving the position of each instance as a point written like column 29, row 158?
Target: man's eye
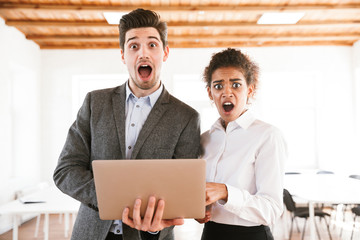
column 236, row 85
column 133, row 46
column 153, row 45
column 218, row 86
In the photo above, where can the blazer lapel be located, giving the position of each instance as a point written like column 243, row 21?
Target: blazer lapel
column 154, row 117
column 118, row 100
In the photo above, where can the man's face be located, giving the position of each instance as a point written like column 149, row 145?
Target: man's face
column 143, row 55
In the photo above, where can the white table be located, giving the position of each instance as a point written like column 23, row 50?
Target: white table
column 55, row 202
column 323, row 188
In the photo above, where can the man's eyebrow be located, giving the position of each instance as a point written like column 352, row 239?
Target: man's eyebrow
column 236, row 79
column 150, row 37
column 132, row 38
column 154, row 37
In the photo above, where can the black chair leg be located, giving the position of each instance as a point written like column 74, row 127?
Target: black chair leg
column 291, row 228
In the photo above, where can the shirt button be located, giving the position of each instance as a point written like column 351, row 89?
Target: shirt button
column 129, row 147
column 118, row 231
column 132, row 124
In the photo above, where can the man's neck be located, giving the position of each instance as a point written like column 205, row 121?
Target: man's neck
column 138, row 92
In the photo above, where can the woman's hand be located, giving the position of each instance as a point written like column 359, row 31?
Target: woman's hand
column 215, row 192
column 206, row 218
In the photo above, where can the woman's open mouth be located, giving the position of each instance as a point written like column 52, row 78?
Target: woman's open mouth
column 228, row 106
column 144, row 71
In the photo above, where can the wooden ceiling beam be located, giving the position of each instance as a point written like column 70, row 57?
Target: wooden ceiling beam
column 55, row 23
column 181, row 8
column 205, row 44
column 204, row 39
column 260, row 44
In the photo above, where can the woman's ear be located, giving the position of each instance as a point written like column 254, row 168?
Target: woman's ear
column 250, row 91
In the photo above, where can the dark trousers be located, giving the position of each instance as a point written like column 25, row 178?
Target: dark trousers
column 218, row 231
column 144, row 235
column 112, row 236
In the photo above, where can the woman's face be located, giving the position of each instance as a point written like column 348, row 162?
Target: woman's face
column 230, row 92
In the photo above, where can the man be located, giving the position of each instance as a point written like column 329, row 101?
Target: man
column 137, row 120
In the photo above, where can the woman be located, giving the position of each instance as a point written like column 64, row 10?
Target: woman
column 245, row 156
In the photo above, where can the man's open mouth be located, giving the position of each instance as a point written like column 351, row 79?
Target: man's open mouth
column 144, row 71
column 228, row 106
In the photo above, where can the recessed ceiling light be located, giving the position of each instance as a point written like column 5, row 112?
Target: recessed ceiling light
column 113, row 17
column 201, row 12
column 280, row 18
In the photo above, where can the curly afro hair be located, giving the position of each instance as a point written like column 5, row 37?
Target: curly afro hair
column 231, row 57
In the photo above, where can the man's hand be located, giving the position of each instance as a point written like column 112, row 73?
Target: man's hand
column 215, row 192
column 152, row 221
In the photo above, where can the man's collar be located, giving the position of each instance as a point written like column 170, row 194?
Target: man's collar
column 153, row 97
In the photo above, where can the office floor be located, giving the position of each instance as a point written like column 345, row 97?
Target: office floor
column 191, row 230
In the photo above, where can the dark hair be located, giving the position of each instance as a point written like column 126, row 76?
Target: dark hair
column 233, row 58
column 142, row 18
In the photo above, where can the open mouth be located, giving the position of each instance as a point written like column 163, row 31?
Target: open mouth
column 228, row 106
column 144, row 71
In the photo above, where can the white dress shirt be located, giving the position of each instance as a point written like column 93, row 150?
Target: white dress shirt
column 248, row 157
column 136, row 111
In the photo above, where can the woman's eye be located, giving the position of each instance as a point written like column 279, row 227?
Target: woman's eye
column 218, row 86
column 236, row 85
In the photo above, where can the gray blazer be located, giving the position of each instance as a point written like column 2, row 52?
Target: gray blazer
column 171, row 131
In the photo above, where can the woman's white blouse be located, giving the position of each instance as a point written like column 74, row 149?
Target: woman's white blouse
column 248, row 157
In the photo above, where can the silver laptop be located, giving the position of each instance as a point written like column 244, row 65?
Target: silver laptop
column 180, row 182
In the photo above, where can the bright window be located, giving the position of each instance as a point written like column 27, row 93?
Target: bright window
column 82, row 84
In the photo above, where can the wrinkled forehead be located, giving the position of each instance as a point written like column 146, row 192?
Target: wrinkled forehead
column 142, row 34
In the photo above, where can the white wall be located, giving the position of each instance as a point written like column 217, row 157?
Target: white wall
column 20, row 123
column 333, row 88
column 356, row 98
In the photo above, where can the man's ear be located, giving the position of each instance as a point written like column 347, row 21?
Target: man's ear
column 209, row 93
column 166, row 53
column 122, row 56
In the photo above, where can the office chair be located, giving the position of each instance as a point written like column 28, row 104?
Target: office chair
column 302, row 212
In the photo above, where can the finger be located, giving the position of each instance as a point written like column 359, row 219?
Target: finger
column 126, row 219
column 200, row 220
column 208, row 201
column 172, row 222
column 149, row 214
column 136, row 214
column 156, row 223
